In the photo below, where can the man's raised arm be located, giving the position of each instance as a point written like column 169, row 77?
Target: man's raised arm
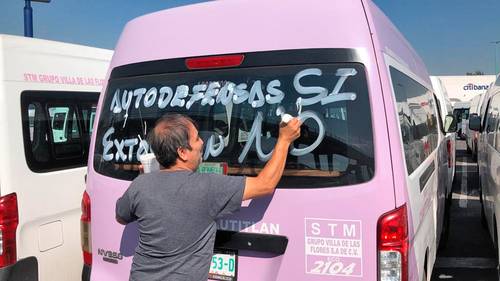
column 268, row 178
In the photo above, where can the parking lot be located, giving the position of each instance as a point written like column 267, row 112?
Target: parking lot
column 469, row 252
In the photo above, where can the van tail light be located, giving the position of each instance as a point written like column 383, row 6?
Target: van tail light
column 9, row 219
column 85, row 233
column 214, row 62
column 392, row 245
column 449, row 148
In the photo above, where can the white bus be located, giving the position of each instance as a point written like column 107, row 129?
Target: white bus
column 48, row 95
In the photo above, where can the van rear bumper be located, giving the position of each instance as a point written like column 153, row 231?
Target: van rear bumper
column 22, row 270
column 85, row 273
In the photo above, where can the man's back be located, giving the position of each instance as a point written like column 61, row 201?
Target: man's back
column 176, row 214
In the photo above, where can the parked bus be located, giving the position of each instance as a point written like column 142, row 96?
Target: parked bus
column 358, row 198
column 48, row 91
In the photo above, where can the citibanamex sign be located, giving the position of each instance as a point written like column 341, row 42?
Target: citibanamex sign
column 474, row 87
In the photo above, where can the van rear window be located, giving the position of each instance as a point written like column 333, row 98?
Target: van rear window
column 237, row 112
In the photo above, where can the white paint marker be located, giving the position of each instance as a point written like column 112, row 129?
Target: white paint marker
column 285, row 117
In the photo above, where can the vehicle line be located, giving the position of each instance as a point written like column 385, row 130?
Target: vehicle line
column 460, row 163
column 461, row 196
column 462, row 203
column 465, row 262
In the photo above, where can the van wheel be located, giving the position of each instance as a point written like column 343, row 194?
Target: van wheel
column 474, row 153
column 446, row 224
column 424, row 277
column 495, row 244
column 484, row 223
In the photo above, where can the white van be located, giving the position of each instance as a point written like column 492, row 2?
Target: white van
column 48, row 93
column 471, row 136
column 446, row 159
column 358, row 196
column 488, row 158
column 461, row 113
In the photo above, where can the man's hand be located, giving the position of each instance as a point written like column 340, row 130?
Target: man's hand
column 268, row 178
column 290, row 131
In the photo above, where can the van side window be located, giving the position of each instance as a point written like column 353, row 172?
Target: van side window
column 56, row 128
column 88, row 119
column 440, row 118
column 59, row 122
column 417, row 117
column 39, row 140
column 497, row 142
column 492, row 119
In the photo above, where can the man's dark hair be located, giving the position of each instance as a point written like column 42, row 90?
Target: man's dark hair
column 171, row 132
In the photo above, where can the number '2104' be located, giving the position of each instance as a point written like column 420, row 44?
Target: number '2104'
column 218, row 264
column 332, row 268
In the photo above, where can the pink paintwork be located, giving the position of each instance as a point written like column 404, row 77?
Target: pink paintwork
column 225, row 27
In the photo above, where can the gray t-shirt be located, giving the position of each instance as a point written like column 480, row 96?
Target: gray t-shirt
column 176, row 214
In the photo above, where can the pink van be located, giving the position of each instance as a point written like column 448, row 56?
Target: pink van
column 358, row 198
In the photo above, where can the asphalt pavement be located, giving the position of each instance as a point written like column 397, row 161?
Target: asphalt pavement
column 469, row 254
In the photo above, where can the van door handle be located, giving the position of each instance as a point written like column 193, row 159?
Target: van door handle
column 275, row 244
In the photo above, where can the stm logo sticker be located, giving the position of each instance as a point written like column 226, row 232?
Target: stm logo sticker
column 110, row 256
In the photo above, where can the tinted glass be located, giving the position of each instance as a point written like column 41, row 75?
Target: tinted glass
column 439, row 110
column 461, row 114
column 237, row 113
column 417, row 118
column 55, row 136
column 59, row 117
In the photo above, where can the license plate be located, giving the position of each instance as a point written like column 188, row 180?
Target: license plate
column 212, row 168
column 223, row 265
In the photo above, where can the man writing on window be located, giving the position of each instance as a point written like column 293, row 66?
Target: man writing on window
column 176, row 208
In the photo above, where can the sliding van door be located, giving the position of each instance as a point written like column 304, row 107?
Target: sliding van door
column 56, row 132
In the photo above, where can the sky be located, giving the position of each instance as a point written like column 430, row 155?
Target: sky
column 452, row 36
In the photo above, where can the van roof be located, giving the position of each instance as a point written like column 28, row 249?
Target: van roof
column 389, row 41
column 23, row 55
column 240, row 26
column 223, row 27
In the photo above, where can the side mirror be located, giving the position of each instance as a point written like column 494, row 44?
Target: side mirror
column 475, row 122
column 450, row 124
